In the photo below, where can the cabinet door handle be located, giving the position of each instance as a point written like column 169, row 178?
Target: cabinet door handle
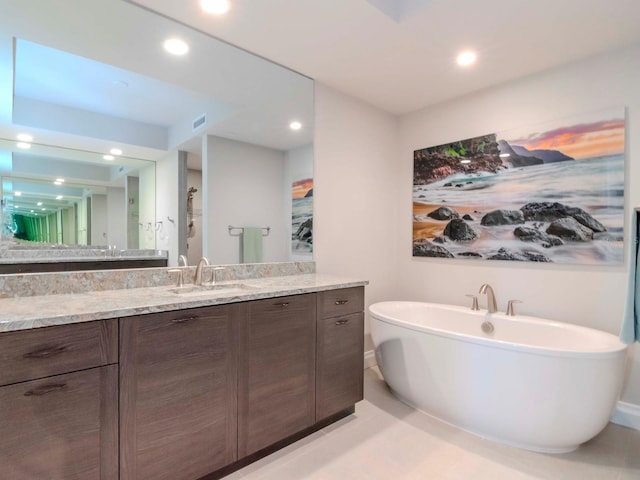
column 45, row 352
column 341, row 302
column 183, row 320
column 44, row 389
column 281, row 304
column 342, row 322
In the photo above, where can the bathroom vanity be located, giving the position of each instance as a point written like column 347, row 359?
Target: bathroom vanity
column 190, row 389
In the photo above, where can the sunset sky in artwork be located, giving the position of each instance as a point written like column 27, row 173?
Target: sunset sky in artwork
column 300, row 188
column 589, row 138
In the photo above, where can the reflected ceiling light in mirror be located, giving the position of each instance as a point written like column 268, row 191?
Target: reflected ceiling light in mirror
column 216, row 7
column 39, row 204
column 176, row 46
column 295, row 125
column 108, row 157
column 17, row 194
column 23, row 145
column 115, row 151
column 466, row 58
column 59, row 197
column 25, row 137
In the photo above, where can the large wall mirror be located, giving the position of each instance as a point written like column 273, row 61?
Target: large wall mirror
column 156, row 150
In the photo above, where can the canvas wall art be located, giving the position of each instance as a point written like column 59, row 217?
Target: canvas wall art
column 549, row 193
column 302, row 216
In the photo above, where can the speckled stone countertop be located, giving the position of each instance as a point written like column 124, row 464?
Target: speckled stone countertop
column 54, row 255
column 22, row 313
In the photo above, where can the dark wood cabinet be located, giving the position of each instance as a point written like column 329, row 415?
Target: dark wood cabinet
column 276, row 396
column 340, row 359
column 178, row 376
column 177, row 395
column 59, row 402
column 61, row 428
column 41, row 352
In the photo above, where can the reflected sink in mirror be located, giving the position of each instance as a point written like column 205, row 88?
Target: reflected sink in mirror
column 220, row 288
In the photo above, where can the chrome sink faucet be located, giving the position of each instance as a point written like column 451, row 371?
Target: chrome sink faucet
column 197, row 280
column 492, row 306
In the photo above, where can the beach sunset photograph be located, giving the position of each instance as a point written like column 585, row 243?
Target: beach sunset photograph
column 549, row 193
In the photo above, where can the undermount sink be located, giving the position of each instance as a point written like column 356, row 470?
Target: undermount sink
column 217, row 287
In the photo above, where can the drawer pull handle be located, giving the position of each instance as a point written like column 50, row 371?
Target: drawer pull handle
column 182, row 320
column 281, row 304
column 44, row 389
column 342, row 322
column 45, row 352
column 342, row 302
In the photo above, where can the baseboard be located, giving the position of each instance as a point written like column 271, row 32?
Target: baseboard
column 627, row 415
column 369, row 359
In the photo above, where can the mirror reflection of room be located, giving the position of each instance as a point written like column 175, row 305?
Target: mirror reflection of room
column 242, row 122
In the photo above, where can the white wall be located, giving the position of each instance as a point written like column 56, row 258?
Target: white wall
column 298, row 166
column 99, row 219
column 147, row 210
column 116, row 208
column 591, row 296
column 244, row 185
column 167, row 205
column 355, row 193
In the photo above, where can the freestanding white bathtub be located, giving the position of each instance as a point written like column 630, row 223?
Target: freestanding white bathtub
column 532, row 383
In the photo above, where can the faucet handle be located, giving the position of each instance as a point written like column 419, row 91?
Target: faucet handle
column 213, row 273
column 510, row 310
column 180, row 276
column 474, row 303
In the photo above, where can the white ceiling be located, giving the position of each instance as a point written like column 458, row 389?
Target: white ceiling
column 403, row 60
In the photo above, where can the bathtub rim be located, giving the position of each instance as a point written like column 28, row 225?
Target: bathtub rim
column 491, row 342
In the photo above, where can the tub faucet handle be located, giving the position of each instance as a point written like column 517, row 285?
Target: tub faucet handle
column 474, row 303
column 510, row 310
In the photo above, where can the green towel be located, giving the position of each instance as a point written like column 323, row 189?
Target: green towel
column 252, row 245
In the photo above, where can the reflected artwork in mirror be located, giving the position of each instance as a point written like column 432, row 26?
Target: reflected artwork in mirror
column 131, row 128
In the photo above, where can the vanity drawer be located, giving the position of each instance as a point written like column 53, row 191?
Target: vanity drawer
column 41, row 352
column 344, row 301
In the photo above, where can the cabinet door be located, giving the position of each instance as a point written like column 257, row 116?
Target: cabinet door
column 276, row 371
column 61, row 428
column 178, row 394
column 340, row 363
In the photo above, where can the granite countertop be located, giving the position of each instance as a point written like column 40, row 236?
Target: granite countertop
column 23, row 313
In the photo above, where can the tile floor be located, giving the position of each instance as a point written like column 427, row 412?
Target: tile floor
column 387, row 440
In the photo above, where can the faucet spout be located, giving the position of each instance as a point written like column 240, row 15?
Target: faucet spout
column 492, row 305
column 197, row 280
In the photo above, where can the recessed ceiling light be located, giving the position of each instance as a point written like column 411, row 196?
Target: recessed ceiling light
column 217, row 7
column 295, row 125
column 115, row 151
column 24, row 137
column 61, row 180
column 39, row 204
column 16, row 206
column 31, row 211
column 176, row 46
column 108, row 157
column 43, row 209
column 466, row 58
column 23, row 145
column 59, row 197
column 17, row 194
column 57, row 183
